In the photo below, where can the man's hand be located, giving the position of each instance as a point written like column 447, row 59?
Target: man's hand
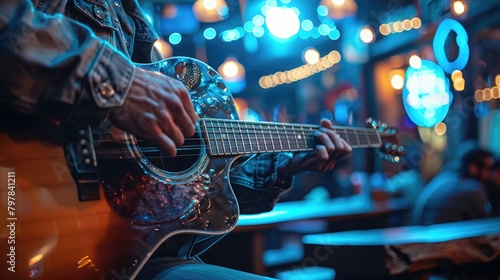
column 157, row 108
column 330, row 149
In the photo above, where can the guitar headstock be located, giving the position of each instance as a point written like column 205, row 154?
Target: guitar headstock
column 391, row 147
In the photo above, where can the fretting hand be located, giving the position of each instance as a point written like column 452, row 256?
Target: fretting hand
column 157, row 108
column 328, row 151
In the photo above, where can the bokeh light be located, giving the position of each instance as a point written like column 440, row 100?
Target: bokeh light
column 426, row 94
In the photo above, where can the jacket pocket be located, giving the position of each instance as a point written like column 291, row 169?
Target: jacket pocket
column 97, row 11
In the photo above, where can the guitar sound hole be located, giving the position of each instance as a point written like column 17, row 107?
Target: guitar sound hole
column 186, row 157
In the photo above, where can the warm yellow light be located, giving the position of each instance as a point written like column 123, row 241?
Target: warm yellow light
column 276, row 80
column 384, row 29
column 283, row 77
column 495, row 92
column 298, row 73
column 497, row 80
column 366, row 34
column 230, row 69
column 397, row 81
column 163, row 48
column 458, row 7
column 487, row 94
column 324, row 62
column 209, row 4
column 459, row 84
column 262, row 82
column 479, row 95
column 440, row 128
column 311, row 56
column 338, row 2
column 416, row 22
column 335, row 55
column 34, row 260
column 208, row 10
column 457, row 74
column 397, row 26
column 407, row 24
column 415, row 61
column 313, row 68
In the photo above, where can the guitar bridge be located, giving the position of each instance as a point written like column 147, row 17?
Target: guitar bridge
column 82, row 162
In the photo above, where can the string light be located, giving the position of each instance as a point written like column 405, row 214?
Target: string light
column 487, row 94
column 458, row 8
column 366, row 35
column 400, row 26
column 299, row 73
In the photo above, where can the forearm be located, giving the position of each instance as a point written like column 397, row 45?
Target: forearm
column 55, row 67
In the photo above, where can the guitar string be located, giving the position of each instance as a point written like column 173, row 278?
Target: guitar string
column 260, row 133
column 230, row 149
column 347, row 132
column 271, row 140
column 268, row 130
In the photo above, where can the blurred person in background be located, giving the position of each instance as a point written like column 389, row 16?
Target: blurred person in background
column 457, row 194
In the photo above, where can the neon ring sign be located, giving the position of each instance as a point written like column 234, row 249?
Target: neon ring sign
column 442, row 33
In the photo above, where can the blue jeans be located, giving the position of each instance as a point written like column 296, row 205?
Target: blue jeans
column 181, row 269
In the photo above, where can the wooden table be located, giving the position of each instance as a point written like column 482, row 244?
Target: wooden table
column 249, row 236
column 393, row 251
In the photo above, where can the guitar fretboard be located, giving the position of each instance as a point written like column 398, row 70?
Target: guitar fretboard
column 235, row 137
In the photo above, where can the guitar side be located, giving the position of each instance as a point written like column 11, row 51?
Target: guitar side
column 56, row 236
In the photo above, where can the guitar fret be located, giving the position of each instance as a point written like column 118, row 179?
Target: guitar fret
column 255, row 138
column 248, row 137
column 367, row 139
column 345, row 136
column 230, row 138
column 234, row 139
column 263, row 139
column 279, row 139
column 271, row 137
column 223, row 138
column 305, row 138
column 296, row 139
column 215, row 137
column 242, row 138
column 287, row 137
column 357, row 137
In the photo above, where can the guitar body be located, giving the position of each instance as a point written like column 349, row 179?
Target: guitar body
column 148, row 204
column 103, row 205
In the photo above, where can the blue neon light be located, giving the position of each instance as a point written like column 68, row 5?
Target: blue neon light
column 442, row 32
column 426, row 94
column 209, row 33
column 175, row 38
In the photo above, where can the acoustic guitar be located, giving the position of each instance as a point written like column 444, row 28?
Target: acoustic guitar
column 94, row 203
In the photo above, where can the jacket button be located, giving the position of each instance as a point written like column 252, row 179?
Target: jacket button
column 106, row 90
column 99, row 12
column 117, row 4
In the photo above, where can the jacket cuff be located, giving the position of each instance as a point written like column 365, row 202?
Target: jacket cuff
column 109, row 80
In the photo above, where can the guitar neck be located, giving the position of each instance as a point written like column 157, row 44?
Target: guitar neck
column 236, row 137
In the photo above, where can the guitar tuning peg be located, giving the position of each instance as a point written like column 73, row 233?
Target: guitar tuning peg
column 395, row 159
column 374, row 123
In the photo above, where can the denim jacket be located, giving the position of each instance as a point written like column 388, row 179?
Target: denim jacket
column 61, row 58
